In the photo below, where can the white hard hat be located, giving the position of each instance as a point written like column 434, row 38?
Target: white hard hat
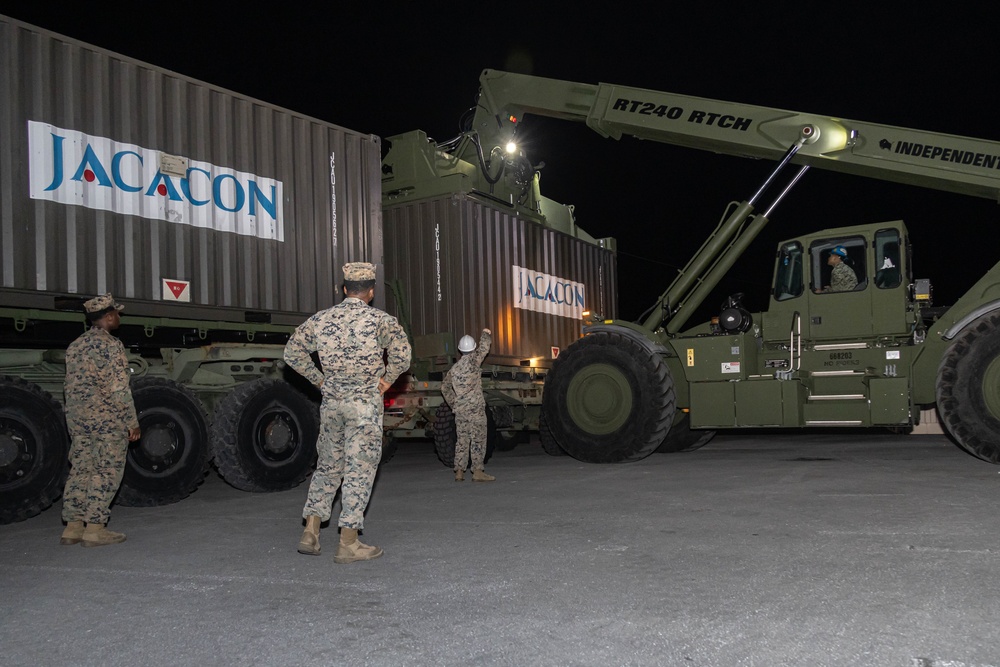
column 467, row 344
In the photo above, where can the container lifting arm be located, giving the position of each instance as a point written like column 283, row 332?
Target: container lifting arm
column 721, row 250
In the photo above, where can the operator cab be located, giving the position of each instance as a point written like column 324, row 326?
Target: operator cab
column 841, row 283
column 826, row 254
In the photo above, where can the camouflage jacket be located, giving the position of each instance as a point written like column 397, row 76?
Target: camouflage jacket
column 98, row 397
column 349, row 339
column 843, row 278
column 463, row 384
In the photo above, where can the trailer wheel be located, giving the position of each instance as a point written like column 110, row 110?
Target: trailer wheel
column 608, row 399
column 389, row 447
column 170, row 460
column 34, row 450
column 446, row 437
column 682, row 438
column 549, row 444
column 504, row 440
column 968, row 388
column 264, row 436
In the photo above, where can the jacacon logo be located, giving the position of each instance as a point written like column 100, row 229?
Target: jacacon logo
column 73, row 168
column 543, row 293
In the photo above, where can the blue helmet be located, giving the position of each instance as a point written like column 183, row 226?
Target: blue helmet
column 839, row 250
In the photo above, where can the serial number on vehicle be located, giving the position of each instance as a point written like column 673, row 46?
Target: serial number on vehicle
column 842, row 359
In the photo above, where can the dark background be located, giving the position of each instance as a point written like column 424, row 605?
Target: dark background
column 386, row 71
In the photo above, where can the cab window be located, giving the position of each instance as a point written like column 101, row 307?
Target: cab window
column 838, row 265
column 788, row 277
column 887, row 259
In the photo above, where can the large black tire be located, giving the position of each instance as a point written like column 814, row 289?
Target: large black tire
column 264, row 436
column 504, row 441
column 170, row 460
column 445, row 436
column 968, row 388
column 608, row 399
column 34, row 448
column 682, row 438
column 389, row 447
column 549, row 444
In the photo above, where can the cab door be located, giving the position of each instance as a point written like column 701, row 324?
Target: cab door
column 837, row 308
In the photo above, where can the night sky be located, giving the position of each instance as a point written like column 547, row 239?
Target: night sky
column 386, row 72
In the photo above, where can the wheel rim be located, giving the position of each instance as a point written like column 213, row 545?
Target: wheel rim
column 599, row 399
column 991, row 387
column 276, row 436
column 161, row 446
column 18, row 451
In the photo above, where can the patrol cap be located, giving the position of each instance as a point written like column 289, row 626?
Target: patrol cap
column 839, row 250
column 100, row 306
column 359, row 271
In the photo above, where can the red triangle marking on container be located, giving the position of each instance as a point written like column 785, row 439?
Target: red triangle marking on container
column 175, row 287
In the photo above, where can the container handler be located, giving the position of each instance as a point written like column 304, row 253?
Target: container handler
column 869, row 357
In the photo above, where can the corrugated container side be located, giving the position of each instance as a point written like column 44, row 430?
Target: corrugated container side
column 214, row 229
column 463, row 265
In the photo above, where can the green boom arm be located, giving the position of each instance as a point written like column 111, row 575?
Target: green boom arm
column 940, row 161
column 928, row 159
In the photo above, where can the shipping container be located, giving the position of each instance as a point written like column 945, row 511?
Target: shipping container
column 462, row 263
column 183, row 199
column 220, row 221
column 458, row 263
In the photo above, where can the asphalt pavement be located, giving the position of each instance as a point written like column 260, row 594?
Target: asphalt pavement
column 761, row 549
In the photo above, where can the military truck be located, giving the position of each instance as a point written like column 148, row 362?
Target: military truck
column 869, row 357
column 221, row 222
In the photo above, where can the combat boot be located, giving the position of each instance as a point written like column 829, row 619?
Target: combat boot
column 351, row 549
column 481, row 476
column 309, row 544
column 459, row 475
column 73, row 533
column 96, row 535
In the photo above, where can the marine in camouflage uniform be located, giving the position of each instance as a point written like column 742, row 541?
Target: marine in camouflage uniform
column 463, row 390
column 350, row 339
column 842, row 278
column 102, row 420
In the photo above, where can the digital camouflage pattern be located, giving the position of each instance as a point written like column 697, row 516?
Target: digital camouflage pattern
column 349, row 448
column 101, row 304
column 843, row 278
column 463, row 390
column 97, row 466
column 359, row 271
column 349, row 339
column 99, row 413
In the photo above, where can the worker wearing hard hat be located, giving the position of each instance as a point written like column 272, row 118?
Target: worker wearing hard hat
column 463, row 390
column 842, row 279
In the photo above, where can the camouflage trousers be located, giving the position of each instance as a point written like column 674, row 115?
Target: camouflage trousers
column 348, row 450
column 470, row 427
column 97, row 463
